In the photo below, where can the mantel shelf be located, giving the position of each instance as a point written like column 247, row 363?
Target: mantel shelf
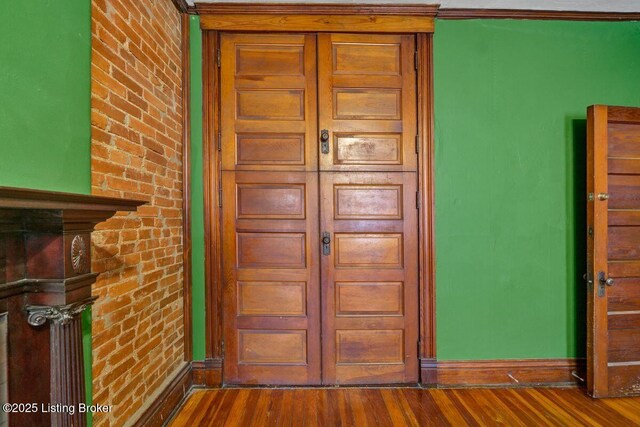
column 22, row 198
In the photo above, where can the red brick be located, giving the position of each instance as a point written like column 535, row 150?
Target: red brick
column 127, row 81
column 107, row 80
column 125, row 106
column 136, row 152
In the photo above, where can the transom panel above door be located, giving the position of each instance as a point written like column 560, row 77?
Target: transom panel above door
column 268, row 85
column 367, row 94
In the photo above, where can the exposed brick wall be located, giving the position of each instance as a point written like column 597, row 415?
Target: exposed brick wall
column 136, row 117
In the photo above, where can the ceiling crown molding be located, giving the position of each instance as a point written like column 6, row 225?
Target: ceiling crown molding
column 565, row 15
column 184, row 7
column 398, row 9
column 318, row 9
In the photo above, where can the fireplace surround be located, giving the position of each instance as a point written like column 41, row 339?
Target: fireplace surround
column 45, row 285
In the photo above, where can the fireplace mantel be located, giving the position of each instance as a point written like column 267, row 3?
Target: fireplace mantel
column 45, row 285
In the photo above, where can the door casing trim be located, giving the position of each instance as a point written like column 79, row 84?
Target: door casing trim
column 214, row 344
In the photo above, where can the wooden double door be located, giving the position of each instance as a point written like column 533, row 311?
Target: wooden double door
column 319, row 222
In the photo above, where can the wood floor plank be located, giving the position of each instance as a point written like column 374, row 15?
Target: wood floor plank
column 531, row 407
column 297, row 415
column 190, row 408
column 452, row 409
column 595, row 408
column 354, row 399
column 250, row 408
column 259, row 415
column 502, row 414
column 473, row 415
column 333, row 411
column 394, row 407
column 423, row 408
column 530, row 414
column 564, row 415
column 310, row 417
column 274, row 409
column 238, row 409
column 341, row 408
column 210, row 404
column 362, row 407
column 228, row 402
column 375, row 408
column 286, row 419
column 346, row 411
column 627, row 407
column 587, row 416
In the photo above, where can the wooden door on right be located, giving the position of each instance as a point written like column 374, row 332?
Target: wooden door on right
column 613, row 242
column 368, row 212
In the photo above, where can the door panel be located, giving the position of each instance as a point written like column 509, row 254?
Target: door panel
column 268, row 93
column 366, row 92
column 270, row 217
column 613, row 215
column 272, row 319
column 369, row 278
column 367, row 102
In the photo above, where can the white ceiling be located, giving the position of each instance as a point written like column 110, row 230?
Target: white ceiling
column 573, row 5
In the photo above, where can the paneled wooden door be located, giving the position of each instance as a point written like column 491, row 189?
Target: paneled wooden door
column 613, row 242
column 319, row 216
column 367, row 104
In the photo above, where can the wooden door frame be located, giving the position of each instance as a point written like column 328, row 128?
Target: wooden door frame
column 407, row 19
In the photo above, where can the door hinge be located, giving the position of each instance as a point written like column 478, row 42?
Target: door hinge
column 220, row 188
column 419, row 347
column 417, row 144
column 417, row 200
column 222, row 346
column 415, row 59
column 590, row 197
column 218, row 59
column 219, row 141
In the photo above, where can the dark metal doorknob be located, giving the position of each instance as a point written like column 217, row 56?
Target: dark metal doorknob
column 324, row 141
column 602, row 281
column 326, row 242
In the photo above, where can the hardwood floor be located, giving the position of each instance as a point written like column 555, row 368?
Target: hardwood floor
column 404, row 407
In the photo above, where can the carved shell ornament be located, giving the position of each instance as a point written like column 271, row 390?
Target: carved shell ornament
column 79, row 255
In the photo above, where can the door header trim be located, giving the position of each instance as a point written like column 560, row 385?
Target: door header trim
column 318, row 18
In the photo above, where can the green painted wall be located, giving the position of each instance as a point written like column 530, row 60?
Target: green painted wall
column 45, row 125
column 510, row 108
column 45, row 111
column 197, row 193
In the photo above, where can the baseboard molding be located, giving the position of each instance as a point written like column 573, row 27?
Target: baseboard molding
column 168, row 400
column 453, row 373
column 506, row 372
column 207, row 373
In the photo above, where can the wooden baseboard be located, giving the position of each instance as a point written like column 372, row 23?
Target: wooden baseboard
column 199, row 373
column 507, row 372
column 434, row 373
column 207, row 373
column 169, row 399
